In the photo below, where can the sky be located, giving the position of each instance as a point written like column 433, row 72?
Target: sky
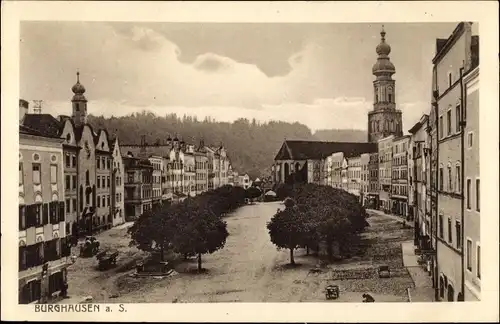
column 316, row 74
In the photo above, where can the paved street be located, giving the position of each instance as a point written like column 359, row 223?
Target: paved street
column 250, row 268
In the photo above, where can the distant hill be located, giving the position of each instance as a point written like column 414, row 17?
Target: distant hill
column 251, row 145
column 341, row 135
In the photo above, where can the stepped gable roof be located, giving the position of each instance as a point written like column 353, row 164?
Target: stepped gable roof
column 315, row 150
column 45, row 124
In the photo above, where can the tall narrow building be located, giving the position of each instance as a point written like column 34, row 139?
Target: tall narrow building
column 384, row 119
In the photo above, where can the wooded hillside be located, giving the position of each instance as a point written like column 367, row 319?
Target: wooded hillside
column 251, row 145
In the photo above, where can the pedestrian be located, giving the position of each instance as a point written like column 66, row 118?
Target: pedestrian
column 367, row 298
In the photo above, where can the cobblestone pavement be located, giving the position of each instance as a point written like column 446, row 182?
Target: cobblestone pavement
column 250, row 268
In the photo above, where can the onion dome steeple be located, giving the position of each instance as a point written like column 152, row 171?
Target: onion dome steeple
column 383, row 66
column 78, row 89
column 79, row 102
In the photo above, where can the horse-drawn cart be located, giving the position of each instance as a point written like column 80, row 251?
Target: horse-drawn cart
column 106, row 259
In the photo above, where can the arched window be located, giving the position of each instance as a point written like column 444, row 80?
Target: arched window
column 451, row 292
column 392, row 126
column 441, row 287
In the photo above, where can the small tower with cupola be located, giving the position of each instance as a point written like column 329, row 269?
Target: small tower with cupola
column 79, row 102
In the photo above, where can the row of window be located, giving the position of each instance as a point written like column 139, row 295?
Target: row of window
column 452, row 123
column 399, row 148
column 400, row 160
column 36, row 169
column 70, row 160
column 399, row 190
column 32, row 291
column 101, row 201
column 37, row 254
column 103, row 182
column 201, row 165
column 37, row 215
column 469, row 255
column 399, row 174
column 449, row 232
column 156, row 166
column 453, row 183
column 70, row 182
column 71, row 205
column 201, row 176
column 103, row 163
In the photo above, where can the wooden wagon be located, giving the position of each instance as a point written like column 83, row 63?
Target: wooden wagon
column 106, row 259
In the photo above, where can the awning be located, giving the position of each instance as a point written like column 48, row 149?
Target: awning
column 270, row 193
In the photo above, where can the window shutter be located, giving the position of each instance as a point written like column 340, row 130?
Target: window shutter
column 61, row 211
column 45, row 213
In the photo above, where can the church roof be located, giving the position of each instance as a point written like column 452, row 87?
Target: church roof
column 315, row 150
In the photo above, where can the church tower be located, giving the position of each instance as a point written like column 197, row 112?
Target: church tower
column 79, row 102
column 384, row 119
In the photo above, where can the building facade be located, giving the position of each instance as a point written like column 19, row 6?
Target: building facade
column 354, row 175
column 399, row 185
column 365, row 178
column 384, row 119
column 90, row 146
column 189, row 172
column 472, row 201
column 455, row 57
column 417, row 182
column 43, row 245
column 103, row 157
column 156, row 196
column 305, row 161
column 373, row 183
column 201, row 167
column 385, row 172
column 138, row 186
column 117, row 185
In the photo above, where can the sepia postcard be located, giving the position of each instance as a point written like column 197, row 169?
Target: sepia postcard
column 266, row 161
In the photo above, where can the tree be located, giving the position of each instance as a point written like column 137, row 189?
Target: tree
column 329, row 215
column 253, row 192
column 287, row 230
column 151, row 232
column 198, row 230
column 289, row 202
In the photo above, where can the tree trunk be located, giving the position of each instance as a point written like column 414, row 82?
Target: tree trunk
column 292, row 261
column 185, row 256
column 307, row 249
column 161, row 253
column 329, row 250
column 199, row 261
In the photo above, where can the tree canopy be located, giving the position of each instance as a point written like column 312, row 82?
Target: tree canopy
column 191, row 227
column 314, row 214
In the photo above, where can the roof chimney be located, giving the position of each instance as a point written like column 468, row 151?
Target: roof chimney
column 23, row 109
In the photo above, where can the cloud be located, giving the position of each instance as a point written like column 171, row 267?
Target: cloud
column 128, row 68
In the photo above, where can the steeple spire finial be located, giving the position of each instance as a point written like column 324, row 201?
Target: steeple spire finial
column 382, row 33
column 77, row 76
